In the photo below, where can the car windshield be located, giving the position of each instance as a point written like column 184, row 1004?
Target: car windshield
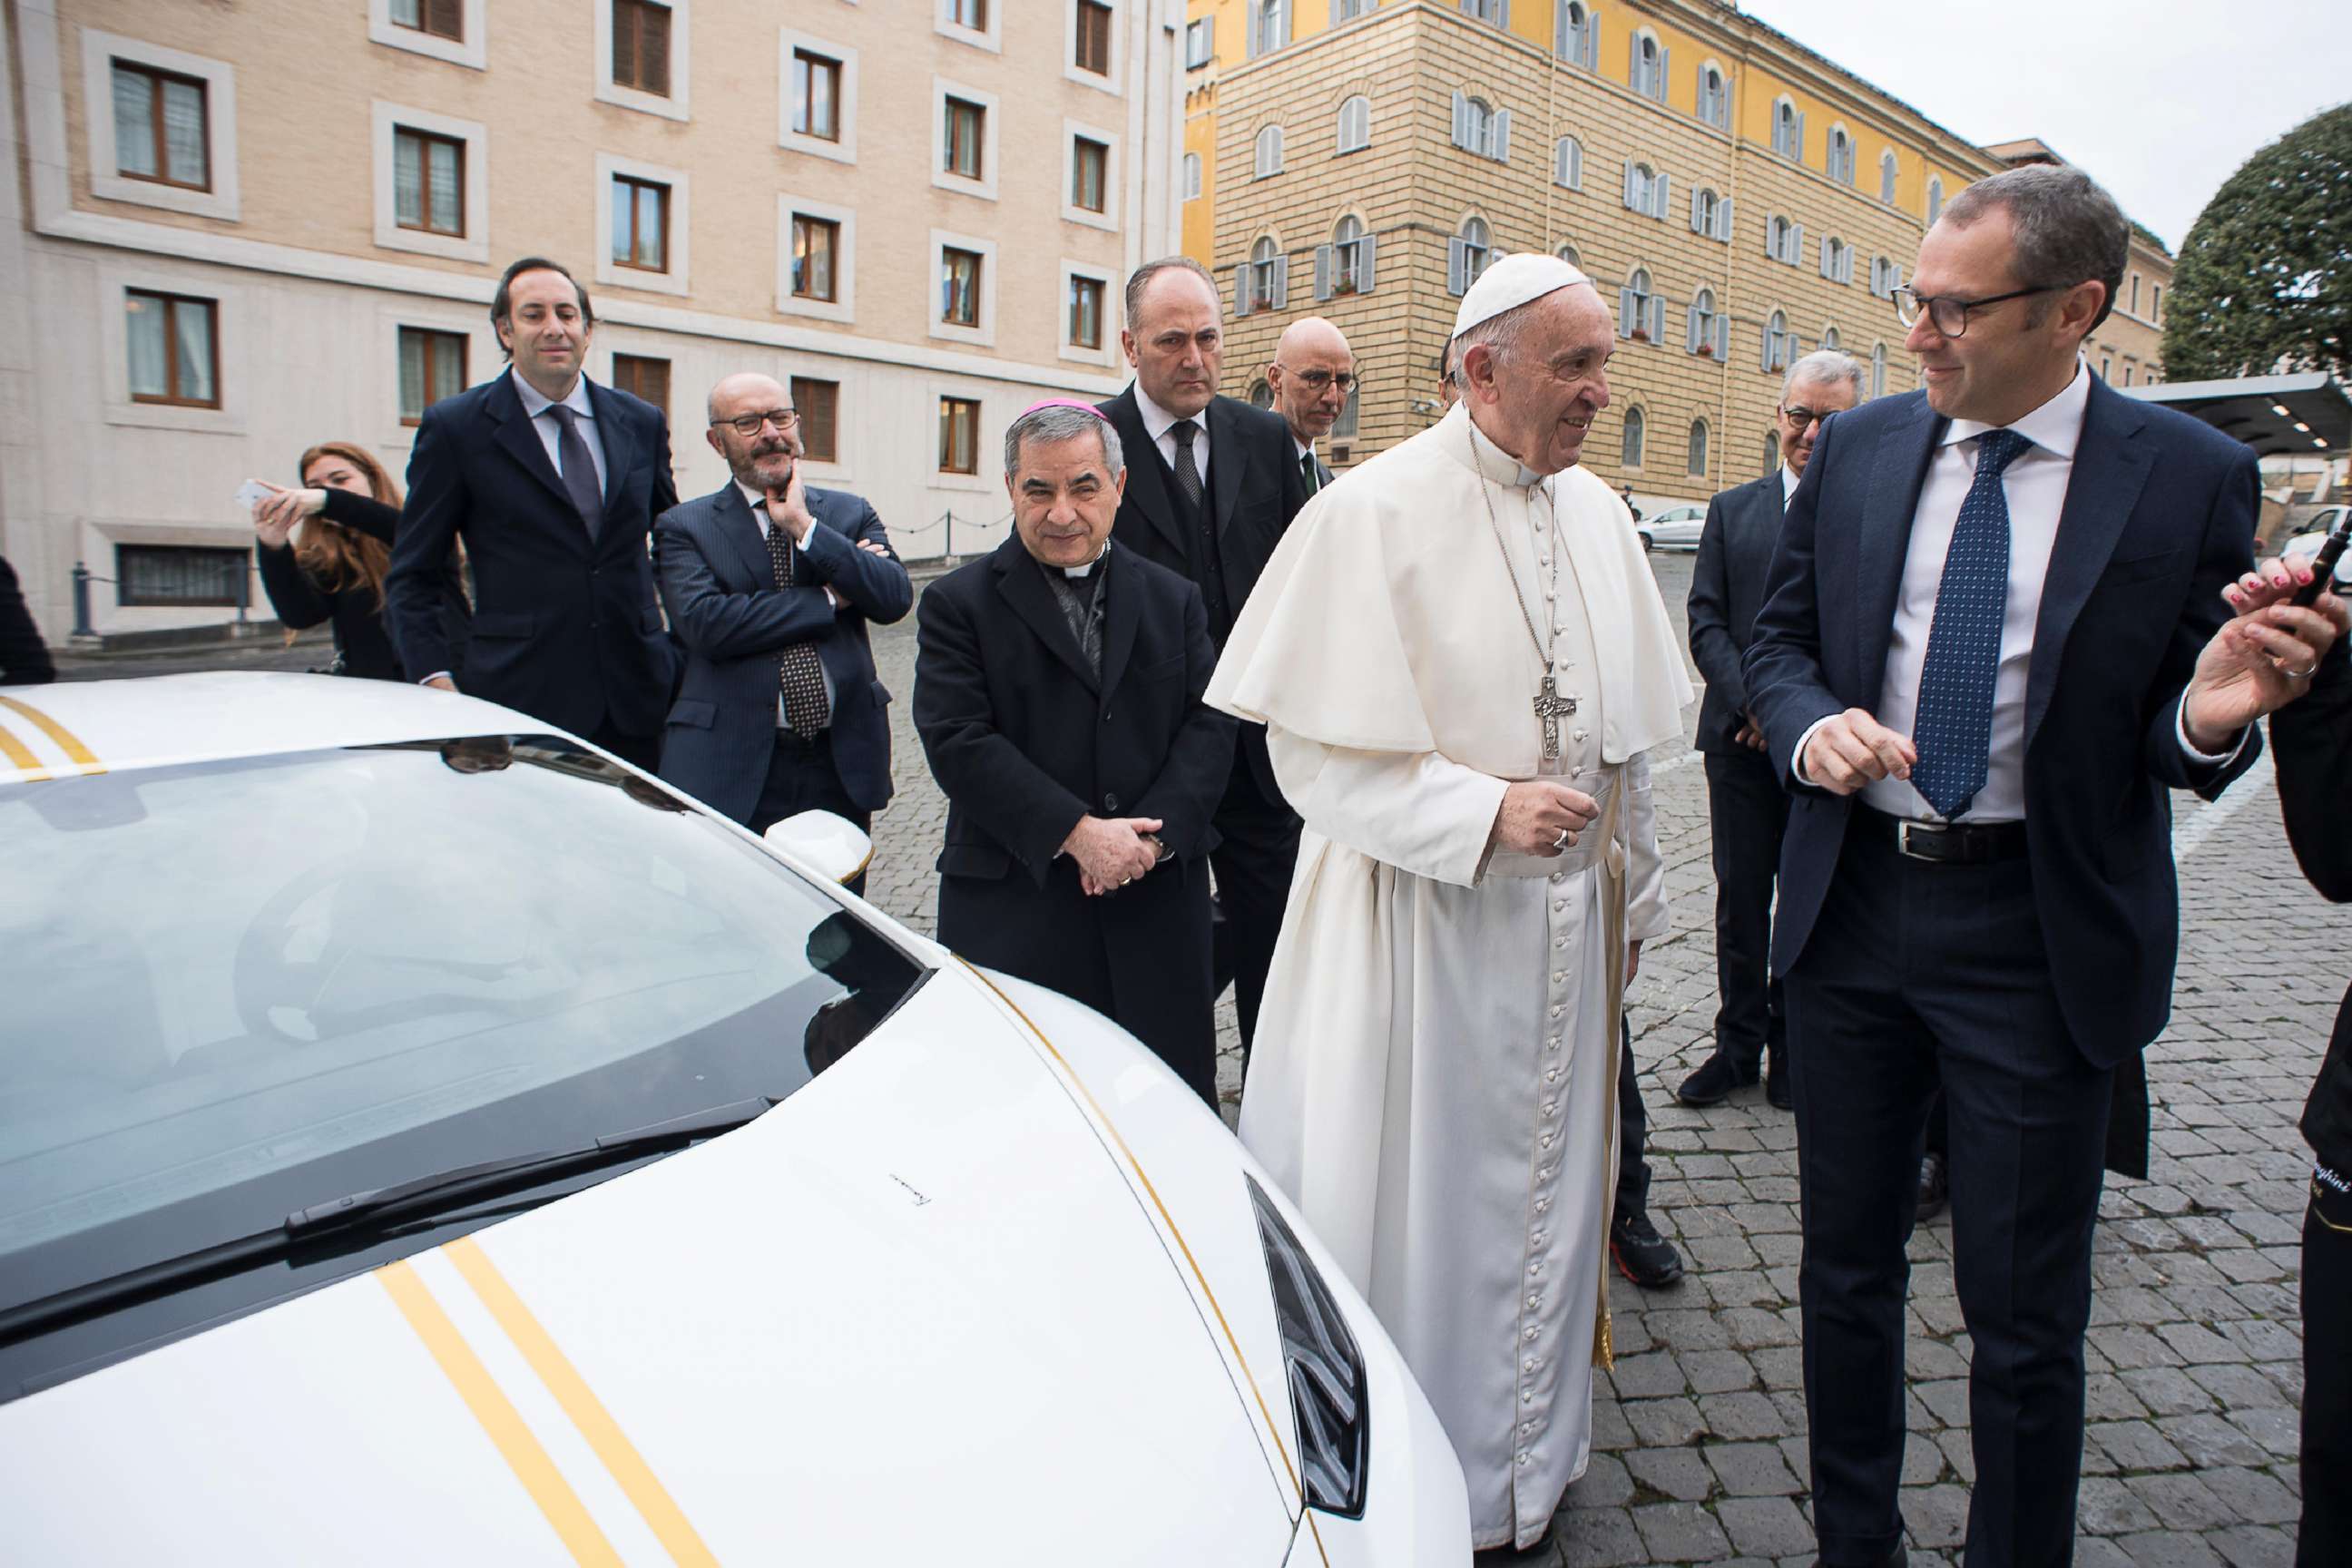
column 234, row 989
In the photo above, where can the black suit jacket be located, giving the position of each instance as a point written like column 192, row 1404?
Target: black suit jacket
column 1024, row 739
column 719, row 584
column 566, row 627
column 362, row 641
column 23, row 657
column 2314, row 737
column 1322, row 480
column 2159, row 518
column 1255, row 490
column 1735, row 553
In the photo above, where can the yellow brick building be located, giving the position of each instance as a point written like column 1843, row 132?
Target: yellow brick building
column 1739, row 198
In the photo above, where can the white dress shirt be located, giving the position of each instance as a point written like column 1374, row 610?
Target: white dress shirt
column 2035, row 482
column 759, row 504
column 1157, row 421
column 1788, row 477
column 551, row 433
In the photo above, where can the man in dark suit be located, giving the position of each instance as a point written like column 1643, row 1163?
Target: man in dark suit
column 1986, row 648
column 1057, row 692
column 1212, row 484
column 770, row 583
column 1746, row 807
column 553, row 484
column 1312, row 377
column 23, row 657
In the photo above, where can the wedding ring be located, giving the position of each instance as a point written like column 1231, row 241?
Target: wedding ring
column 2299, row 674
column 1123, row 881
column 1561, row 842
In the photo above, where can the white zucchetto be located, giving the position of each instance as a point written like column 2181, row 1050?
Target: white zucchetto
column 1510, row 281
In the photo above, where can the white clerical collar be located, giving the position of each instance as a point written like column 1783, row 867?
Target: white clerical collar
column 1157, row 421
column 1493, row 461
column 2054, row 428
column 533, row 404
column 1087, row 569
column 1788, row 483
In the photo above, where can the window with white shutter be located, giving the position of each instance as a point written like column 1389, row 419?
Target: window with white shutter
column 1567, row 163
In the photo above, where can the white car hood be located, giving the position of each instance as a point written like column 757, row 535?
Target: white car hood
column 914, row 1311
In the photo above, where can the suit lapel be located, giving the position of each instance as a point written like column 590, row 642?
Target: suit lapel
column 741, row 530
column 1895, row 482
column 520, row 437
column 1227, row 459
column 2111, row 469
column 1146, row 488
column 1120, row 613
column 1023, row 585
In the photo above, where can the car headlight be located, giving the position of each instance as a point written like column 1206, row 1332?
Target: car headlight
column 1323, row 1365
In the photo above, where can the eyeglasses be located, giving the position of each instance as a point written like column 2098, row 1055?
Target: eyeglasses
column 1800, row 417
column 1948, row 311
column 784, row 419
column 1319, row 381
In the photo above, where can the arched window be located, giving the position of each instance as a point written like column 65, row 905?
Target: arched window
column 1350, row 275
column 1479, row 128
column 1268, row 286
column 1840, row 155
column 1356, row 124
column 1648, row 67
column 1886, row 176
column 1642, row 188
column 1714, row 97
column 1192, row 176
column 1269, row 153
column 1788, row 131
column 1707, row 327
column 1829, row 337
column 1495, row 11
column 1268, row 23
column 1935, row 198
column 1883, row 276
column 1261, row 395
column 1708, row 214
column 1638, row 316
column 1771, row 450
column 1567, row 163
column 1775, row 341
column 1878, row 370
column 1696, row 467
column 1576, row 34
column 1568, row 253
column 1784, row 241
column 1837, row 259
column 1632, row 455
column 1467, row 254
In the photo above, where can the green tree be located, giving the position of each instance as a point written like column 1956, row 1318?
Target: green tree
column 2263, row 285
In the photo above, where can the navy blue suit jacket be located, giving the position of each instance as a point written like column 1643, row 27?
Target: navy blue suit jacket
column 566, row 627
column 2159, row 518
column 718, row 584
column 1735, row 555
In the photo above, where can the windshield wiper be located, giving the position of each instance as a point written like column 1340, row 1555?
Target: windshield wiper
column 375, row 1208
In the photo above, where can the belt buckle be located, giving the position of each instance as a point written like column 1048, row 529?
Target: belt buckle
column 1928, row 834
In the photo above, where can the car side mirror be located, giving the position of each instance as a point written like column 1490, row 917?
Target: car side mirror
column 832, row 846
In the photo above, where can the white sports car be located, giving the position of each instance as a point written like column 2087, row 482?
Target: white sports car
column 423, row 1139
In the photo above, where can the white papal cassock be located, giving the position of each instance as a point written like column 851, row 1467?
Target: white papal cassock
column 1434, row 1081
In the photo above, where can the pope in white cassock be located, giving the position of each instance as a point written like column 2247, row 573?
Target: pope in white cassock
column 1460, row 656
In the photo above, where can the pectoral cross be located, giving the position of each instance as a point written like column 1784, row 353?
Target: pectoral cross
column 1549, row 705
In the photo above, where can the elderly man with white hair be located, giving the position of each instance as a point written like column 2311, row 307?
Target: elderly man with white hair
column 1460, row 659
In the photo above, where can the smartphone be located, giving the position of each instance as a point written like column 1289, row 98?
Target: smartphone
column 251, row 494
column 2322, row 565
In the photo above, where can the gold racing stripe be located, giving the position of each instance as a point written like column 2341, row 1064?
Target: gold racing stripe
column 499, row 1419
column 668, row 1521
column 28, row 766
column 67, row 742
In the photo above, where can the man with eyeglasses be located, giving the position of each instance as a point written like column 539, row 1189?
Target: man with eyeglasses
column 770, row 583
column 552, row 480
column 1313, row 376
column 1747, row 808
column 1986, row 650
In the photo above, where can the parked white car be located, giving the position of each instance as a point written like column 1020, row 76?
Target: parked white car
column 424, row 1139
column 1676, row 528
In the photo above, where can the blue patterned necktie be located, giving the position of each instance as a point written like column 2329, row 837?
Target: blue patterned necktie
column 1954, row 728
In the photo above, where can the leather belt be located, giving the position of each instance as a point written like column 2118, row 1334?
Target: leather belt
column 1947, row 843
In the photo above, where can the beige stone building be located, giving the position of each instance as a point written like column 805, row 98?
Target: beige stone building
column 1740, row 198
column 233, row 230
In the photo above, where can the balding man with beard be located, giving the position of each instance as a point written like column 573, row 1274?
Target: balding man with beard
column 770, row 583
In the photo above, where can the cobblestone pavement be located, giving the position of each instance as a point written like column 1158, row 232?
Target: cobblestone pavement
column 2195, row 1353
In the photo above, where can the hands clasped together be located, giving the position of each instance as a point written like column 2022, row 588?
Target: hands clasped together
column 1113, row 851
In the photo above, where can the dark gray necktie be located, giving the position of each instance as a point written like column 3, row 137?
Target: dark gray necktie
column 1187, row 472
column 1307, row 471
column 578, row 469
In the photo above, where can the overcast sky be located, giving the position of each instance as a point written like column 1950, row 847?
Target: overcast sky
column 2160, row 100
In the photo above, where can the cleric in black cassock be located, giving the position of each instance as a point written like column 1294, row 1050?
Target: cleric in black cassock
column 1058, row 693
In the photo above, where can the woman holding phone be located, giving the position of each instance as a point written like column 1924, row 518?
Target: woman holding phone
column 334, row 570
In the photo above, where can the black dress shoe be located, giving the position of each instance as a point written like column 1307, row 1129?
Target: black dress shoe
column 1642, row 1256
column 1713, row 1082
column 1777, row 1093
column 1935, row 1186
column 1898, row 1558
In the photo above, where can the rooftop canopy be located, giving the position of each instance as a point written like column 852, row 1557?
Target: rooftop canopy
column 2277, row 415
